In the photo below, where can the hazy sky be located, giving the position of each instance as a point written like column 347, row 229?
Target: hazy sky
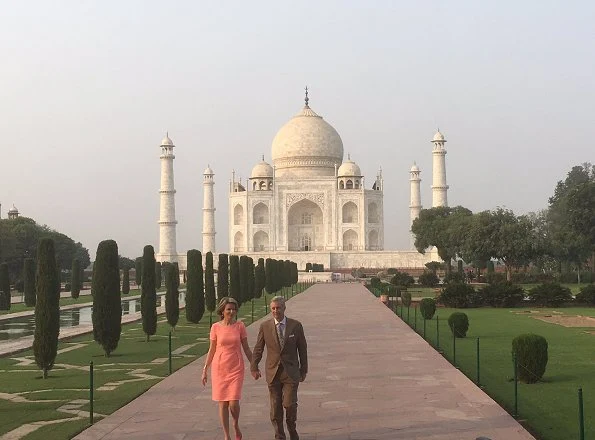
column 89, row 88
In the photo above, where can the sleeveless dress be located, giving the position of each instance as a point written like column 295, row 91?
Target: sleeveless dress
column 227, row 368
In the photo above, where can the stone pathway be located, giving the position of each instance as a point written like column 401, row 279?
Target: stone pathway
column 371, row 378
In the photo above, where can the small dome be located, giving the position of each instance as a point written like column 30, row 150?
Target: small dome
column 167, row 141
column 438, row 137
column 208, row 171
column 13, row 210
column 414, row 168
column 349, row 169
column 262, row 169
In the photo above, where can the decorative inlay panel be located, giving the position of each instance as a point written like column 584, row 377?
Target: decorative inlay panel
column 293, row 198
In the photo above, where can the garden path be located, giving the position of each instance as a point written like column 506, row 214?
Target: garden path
column 371, row 377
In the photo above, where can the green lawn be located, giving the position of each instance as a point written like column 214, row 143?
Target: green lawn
column 549, row 408
column 69, row 380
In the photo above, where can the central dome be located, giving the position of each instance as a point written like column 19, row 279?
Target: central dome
column 307, row 146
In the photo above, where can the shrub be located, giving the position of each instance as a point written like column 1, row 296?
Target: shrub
column 568, row 278
column 29, row 281
column 47, row 307
column 458, row 295
column 308, row 267
column 454, row 277
column 427, row 307
column 392, row 271
column 459, row 324
column 75, row 280
column 375, row 282
column 495, row 277
column 586, row 295
column 402, row 279
column 4, row 287
column 148, row 295
column 172, row 296
column 406, row 298
column 504, row 294
column 195, row 295
column 125, row 281
column 531, row 355
column 105, row 289
column 550, row 295
column 428, row 279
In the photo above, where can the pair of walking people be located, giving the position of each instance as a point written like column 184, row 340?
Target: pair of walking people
column 286, row 365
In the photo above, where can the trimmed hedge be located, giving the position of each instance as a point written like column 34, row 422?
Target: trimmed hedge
column 531, row 355
column 459, row 324
column 427, row 307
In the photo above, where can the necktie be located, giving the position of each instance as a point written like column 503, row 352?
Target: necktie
column 280, row 334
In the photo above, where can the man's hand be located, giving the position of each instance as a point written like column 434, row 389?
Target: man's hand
column 256, row 374
column 302, row 377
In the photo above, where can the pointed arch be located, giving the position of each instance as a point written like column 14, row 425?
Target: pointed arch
column 238, row 242
column 350, row 213
column 261, row 241
column 350, row 242
column 260, row 214
column 238, row 214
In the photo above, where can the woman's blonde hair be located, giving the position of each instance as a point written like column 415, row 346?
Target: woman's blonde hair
column 223, row 302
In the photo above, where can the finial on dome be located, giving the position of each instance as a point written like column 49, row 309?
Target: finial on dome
column 263, row 157
column 306, row 100
column 348, row 156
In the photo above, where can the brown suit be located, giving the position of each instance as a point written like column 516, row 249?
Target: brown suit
column 284, row 370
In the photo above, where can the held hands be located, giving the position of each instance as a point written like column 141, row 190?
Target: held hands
column 256, row 374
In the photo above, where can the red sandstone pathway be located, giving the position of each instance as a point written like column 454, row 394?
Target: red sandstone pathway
column 371, row 378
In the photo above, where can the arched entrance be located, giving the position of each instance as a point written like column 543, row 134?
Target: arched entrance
column 305, row 230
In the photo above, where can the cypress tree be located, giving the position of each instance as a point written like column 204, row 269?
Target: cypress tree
column 294, row 273
column 259, row 278
column 58, row 278
column 148, row 296
column 138, row 269
column 107, row 302
column 75, row 281
column 47, row 307
column 250, row 269
column 4, row 287
column 269, row 270
column 29, row 281
column 210, row 300
column 126, row 281
column 244, row 279
column 223, row 276
column 158, row 283
column 195, row 295
column 172, row 296
column 234, row 278
column 287, row 273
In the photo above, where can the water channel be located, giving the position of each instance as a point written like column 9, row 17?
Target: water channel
column 15, row 328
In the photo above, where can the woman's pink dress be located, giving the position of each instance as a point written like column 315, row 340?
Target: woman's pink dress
column 227, row 368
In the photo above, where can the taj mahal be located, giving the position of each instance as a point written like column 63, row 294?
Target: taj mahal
column 311, row 205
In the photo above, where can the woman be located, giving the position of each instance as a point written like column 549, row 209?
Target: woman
column 228, row 337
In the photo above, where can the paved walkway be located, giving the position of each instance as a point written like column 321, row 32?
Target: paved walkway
column 371, row 378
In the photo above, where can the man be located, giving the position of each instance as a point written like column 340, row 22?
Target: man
column 286, row 365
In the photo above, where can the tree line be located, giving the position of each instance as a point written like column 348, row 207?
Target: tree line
column 555, row 239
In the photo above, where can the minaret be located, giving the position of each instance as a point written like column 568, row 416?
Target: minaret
column 439, row 186
column 208, row 212
column 415, row 201
column 167, row 207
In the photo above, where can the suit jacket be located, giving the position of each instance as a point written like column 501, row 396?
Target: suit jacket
column 293, row 357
